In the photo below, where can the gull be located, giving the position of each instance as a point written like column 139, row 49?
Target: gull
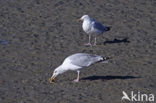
column 76, row 62
column 92, row 27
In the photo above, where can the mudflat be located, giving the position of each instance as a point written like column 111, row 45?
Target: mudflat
column 42, row 33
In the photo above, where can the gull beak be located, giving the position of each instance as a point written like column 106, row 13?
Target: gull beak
column 51, row 80
column 79, row 20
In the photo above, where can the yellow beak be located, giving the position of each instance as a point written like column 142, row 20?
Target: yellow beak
column 79, row 20
column 51, row 80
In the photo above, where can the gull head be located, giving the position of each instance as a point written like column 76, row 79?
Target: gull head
column 57, row 71
column 84, row 17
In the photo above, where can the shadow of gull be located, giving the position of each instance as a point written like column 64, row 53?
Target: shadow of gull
column 108, row 77
column 124, row 40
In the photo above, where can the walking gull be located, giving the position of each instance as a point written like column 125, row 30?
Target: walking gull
column 92, row 27
column 76, row 62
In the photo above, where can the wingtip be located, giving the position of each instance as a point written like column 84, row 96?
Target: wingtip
column 108, row 28
column 107, row 58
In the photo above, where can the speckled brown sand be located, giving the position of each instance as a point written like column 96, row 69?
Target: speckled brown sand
column 41, row 33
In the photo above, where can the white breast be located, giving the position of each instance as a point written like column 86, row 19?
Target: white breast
column 86, row 26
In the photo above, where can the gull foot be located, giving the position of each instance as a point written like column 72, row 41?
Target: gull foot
column 94, row 44
column 88, row 44
column 76, row 80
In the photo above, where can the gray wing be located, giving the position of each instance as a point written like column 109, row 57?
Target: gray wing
column 84, row 59
column 100, row 28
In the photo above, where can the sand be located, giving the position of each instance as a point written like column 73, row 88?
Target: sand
column 42, row 33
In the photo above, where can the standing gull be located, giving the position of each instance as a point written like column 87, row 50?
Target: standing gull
column 92, row 27
column 76, row 62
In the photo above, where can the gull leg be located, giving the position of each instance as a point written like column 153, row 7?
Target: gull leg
column 77, row 79
column 89, row 44
column 95, row 41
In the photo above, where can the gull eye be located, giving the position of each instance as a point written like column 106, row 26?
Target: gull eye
column 55, row 72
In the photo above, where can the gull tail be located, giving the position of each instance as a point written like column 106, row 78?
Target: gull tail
column 105, row 59
column 107, row 28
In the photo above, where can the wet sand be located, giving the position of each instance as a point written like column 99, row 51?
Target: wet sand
column 42, row 33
